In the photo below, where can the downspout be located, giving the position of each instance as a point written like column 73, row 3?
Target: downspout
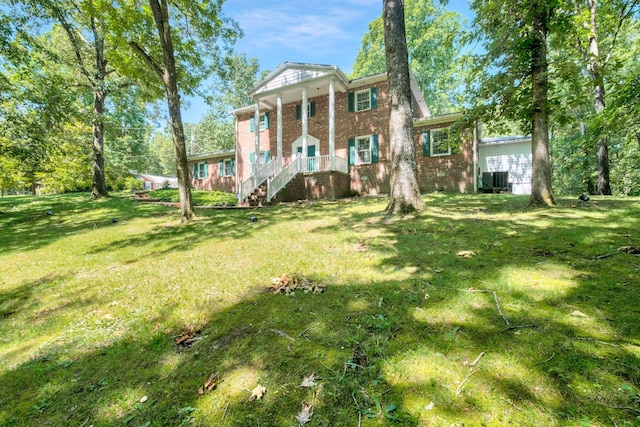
column 236, row 168
column 477, row 134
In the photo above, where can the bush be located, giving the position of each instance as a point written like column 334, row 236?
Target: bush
column 133, row 184
column 200, row 197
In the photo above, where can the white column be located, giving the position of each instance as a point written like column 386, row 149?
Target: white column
column 332, row 123
column 279, row 130
column 256, row 131
column 305, row 125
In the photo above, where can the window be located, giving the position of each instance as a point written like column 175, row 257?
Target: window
column 226, row 167
column 311, row 110
column 440, row 142
column 363, row 150
column 264, row 122
column 200, row 170
column 363, row 100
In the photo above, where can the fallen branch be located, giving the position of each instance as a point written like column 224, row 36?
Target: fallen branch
column 495, row 298
column 282, row 334
column 459, row 389
column 511, row 403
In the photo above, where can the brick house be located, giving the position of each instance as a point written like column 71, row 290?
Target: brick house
column 213, row 171
column 312, row 133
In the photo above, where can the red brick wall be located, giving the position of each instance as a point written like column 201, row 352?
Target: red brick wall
column 214, row 181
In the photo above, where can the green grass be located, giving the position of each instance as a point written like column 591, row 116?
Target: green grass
column 200, row 197
column 90, row 308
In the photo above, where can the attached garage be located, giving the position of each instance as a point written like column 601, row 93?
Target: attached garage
column 505, row 163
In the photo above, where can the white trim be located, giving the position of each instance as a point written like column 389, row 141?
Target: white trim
column 356, row 160
column 437, row 120
column 355, row 99
column 431, row 135
column 311, row 141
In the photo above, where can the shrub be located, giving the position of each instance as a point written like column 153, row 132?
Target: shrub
column 200, row 197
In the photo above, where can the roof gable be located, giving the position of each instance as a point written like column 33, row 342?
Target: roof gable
column 293, row 74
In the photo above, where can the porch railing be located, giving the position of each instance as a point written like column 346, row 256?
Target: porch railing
column 304, row 165
column 261, row 173
column 278, row 182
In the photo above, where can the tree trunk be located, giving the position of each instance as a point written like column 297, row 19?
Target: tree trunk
column 541, row 191
column 170, row 78
column 99, row 186
column 595, row 70
column 405, row 193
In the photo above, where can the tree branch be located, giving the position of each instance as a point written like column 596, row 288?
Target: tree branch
column 74, row 42
column 147, row 59
column 624, row 14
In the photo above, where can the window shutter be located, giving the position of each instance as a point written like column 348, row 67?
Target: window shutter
column 195, row 171
column 206, row 170
column 298, row 111
column 252, row 157
column 266, row 120
column 426, row 143
column 221, row 168
column 233, row 167
column 374, row 97
column 351, row 102
column 251, row 124
column 374, row 148
column 352, row 151
column 267, row 156
column 313, row 108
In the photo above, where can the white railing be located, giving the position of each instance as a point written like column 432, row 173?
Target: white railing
column 278, row 182
column 305, row 165
column 261, row 173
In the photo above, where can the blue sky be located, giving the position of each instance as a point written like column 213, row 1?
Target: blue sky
column 319, row 32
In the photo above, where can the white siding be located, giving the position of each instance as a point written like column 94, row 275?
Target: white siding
column 514, row 157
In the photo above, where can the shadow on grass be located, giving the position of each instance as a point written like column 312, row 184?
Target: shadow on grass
column 396, row 352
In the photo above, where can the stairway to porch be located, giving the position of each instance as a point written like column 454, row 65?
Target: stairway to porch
column 271, row 178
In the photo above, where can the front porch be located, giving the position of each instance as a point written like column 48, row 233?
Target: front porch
column 303, row 178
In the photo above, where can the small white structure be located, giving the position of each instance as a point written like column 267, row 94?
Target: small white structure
column 154, row 182
column 506, row 154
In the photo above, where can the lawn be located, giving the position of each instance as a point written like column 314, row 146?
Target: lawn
column 474, row 312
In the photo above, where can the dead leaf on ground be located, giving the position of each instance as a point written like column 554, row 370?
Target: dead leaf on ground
column 576, row 313
column 305, row 414
column 361, row 247
column 186, row 338
column 209, row 384
column 633, row 250
column 288, row 283
column 258, row 393
column 466, row 254
column 310, row 381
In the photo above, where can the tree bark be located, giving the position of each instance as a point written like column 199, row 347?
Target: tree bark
column 405, row 193
column 541, row 187
column 170, row 79
column 99, row 185
column 595, row 71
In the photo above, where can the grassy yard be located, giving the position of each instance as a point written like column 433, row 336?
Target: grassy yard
column 537, row 324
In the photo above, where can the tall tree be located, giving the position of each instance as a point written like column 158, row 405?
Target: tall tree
column 435, row 40
column 405, row 192
column 512, row 76
column 596, row 30
column 541, row 191
column 83, row 23
column 185, row 50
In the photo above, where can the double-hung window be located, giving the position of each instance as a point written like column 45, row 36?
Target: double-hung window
column 440, row 142
column 200, row 170
column 363, row 150
column 363, row 100
column 227, row 167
